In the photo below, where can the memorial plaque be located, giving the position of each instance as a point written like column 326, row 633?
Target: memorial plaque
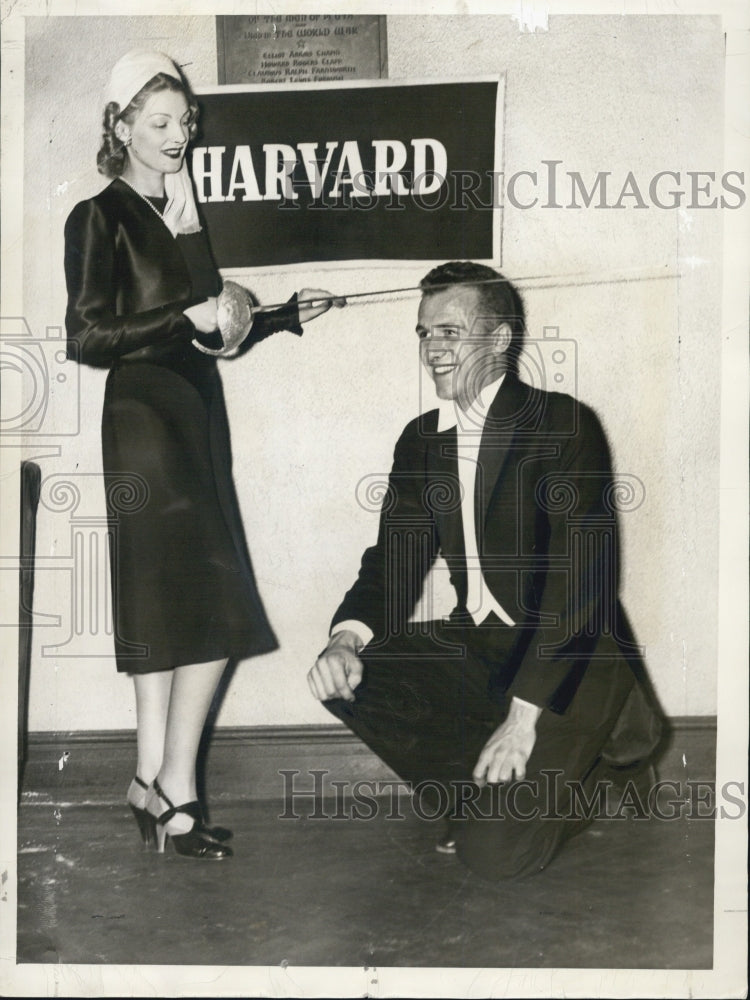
column 302, row 48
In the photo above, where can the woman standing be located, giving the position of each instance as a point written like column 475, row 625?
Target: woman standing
column 142, row 287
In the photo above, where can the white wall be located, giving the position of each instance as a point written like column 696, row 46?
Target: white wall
column 311, row 417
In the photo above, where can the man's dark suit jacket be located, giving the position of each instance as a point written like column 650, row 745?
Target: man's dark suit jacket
column 547, row 538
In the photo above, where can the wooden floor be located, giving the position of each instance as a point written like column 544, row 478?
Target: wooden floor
column 624, row 894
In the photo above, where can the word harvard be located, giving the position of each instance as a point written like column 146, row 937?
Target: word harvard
column 391, row 163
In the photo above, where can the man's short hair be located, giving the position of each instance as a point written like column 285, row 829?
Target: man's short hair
column 500, row 300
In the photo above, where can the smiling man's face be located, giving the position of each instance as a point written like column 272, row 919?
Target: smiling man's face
column 461, row 349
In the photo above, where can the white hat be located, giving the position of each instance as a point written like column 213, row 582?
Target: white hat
column 131, row 73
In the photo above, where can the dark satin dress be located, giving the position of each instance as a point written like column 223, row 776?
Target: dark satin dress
column 183, row 587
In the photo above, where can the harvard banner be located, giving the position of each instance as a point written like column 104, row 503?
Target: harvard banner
column 350, row 172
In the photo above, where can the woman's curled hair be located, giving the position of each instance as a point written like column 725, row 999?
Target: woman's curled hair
column 112, row 157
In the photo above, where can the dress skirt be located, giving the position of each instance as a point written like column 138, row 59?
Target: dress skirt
column 183, row 587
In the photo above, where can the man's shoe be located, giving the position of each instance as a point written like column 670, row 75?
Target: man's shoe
column 447, row 843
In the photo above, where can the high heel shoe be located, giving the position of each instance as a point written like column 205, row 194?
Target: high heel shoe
column 145, row 820
column 194, row 843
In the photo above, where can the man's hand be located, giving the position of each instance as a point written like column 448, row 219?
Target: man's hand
column 508, row 749
column 311, row 302
column 338, row 669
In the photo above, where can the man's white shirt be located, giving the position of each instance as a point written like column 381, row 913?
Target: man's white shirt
column 469, row 424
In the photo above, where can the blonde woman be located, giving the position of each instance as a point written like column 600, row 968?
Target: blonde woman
column 142, row 285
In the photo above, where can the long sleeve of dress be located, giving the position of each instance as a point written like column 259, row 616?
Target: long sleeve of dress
column 266, row 324
column 97, row 335
column 286, row 317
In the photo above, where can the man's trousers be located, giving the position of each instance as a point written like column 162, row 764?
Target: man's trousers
column 425, row 708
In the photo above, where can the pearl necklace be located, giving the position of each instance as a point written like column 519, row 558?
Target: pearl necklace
column 144, row 198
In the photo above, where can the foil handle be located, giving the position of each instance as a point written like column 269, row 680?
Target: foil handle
column 234, row 313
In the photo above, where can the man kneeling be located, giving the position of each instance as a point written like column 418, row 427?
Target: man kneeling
column 509, row 707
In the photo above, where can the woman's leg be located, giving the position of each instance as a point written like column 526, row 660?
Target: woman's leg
column 152, row 693
column 192, row 690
